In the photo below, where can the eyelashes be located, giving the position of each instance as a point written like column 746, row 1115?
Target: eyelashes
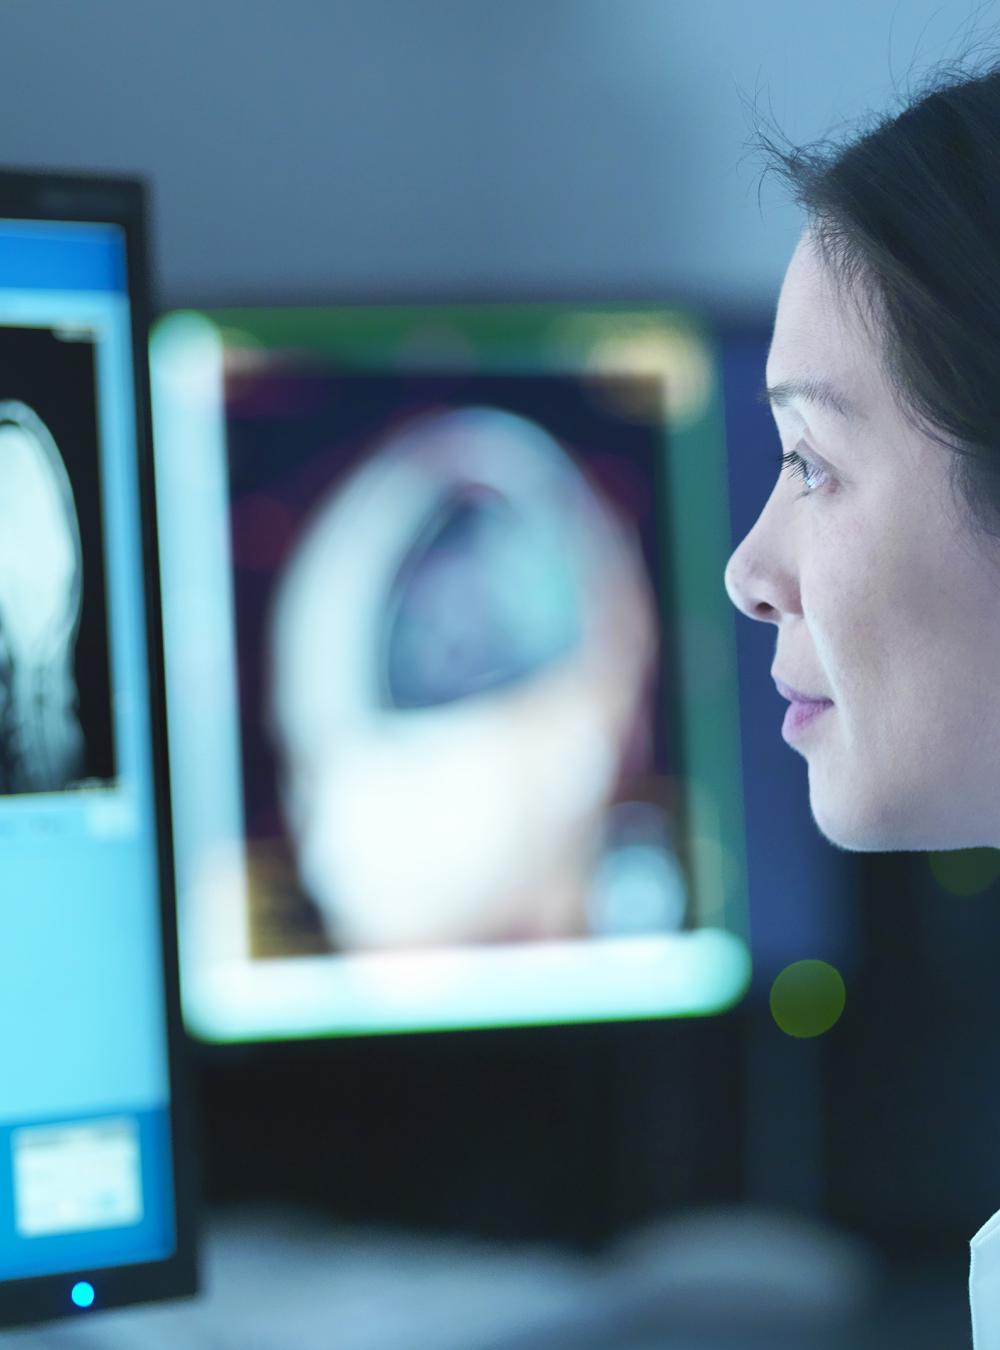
column 803, row 467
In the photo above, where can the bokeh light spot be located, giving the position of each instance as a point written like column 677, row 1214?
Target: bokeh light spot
column 807, row 998
column 638, row 888
column 965, row 871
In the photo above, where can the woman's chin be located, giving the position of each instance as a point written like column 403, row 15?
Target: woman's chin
column 861, row 825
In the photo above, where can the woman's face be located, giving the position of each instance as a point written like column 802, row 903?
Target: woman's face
column 881, row 597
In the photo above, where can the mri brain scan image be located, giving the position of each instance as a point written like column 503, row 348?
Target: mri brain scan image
column 41, row 590
column 459, row 652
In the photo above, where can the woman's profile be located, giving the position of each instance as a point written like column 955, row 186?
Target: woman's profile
column 877, row 554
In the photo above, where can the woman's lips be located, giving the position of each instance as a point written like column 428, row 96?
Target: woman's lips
column 796, row 695
column 801, row 714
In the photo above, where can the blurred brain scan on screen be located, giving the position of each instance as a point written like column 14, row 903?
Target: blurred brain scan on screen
column 461, row 648
column 41, row 585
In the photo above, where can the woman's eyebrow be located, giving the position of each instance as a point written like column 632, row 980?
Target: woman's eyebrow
column 811, row 390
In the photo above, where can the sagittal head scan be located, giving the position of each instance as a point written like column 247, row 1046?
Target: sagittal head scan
column 41, row 591
column 459, row 644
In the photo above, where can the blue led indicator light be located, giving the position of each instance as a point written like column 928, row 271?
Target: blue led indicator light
column 83, row 1294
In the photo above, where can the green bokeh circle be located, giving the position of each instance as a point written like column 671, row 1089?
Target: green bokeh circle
column 807, row 998
column 966, row 872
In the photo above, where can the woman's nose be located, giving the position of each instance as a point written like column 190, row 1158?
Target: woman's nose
column 746, row 587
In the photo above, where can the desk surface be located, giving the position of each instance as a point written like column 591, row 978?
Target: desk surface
column 286, row 1280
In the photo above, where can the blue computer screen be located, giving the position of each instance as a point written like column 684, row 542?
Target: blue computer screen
column 85, row 1166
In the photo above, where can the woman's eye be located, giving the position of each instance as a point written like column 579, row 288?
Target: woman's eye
column 805, row 468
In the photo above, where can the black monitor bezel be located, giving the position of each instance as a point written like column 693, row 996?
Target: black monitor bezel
column 122, row 200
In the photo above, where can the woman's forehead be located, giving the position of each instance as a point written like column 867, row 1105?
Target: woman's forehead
column 817, row 337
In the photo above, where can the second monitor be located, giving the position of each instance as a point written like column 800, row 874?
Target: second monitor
column 452, row 688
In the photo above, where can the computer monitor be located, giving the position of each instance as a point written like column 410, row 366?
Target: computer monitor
column 94, row 1156
column 451, row 676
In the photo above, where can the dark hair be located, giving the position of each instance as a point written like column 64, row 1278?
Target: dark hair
column 906, row 217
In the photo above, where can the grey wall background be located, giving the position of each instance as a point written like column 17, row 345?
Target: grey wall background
column 353, row 149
